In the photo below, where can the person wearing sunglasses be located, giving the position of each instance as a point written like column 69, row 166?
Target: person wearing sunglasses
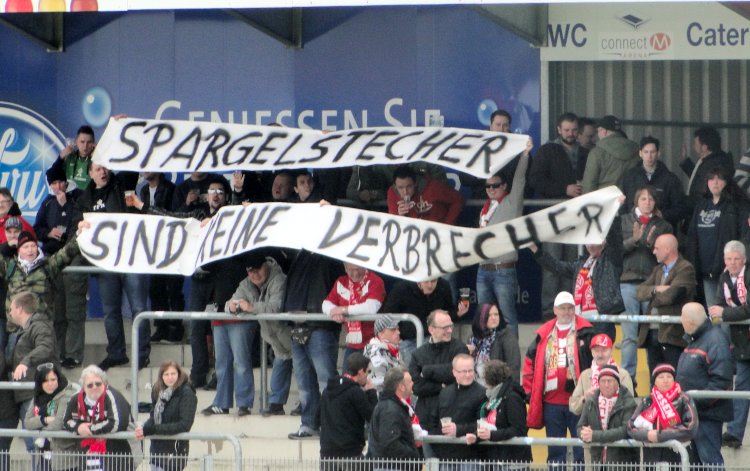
column 496, row 278
column 99, row 409
column 52, row 392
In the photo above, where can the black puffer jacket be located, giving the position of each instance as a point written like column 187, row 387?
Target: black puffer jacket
column 178, row 416
column 344, row 409
column 706, row 364
column 430, row 369
column 739, row 333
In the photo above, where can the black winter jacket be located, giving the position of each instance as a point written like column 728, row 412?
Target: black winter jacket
column 510, row 421
column 706, row 364
column 461, row 404
column 178, row 416
column 391, row 435
column 605, row 279
column 406, row 297
column 345, row 408
column 670, row 197
column 430, row 369
column 732, row 226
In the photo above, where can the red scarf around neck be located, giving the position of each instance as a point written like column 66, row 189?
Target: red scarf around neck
column 662, row 409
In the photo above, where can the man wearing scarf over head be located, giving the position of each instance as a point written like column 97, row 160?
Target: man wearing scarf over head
column 666, row 414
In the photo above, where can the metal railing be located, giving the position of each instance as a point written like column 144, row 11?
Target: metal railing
column 676, row 446
column 208, row 316
column 17, row 385
column 228, row 437
column 620, row 318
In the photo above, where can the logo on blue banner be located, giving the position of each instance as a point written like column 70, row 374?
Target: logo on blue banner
column 29, row 144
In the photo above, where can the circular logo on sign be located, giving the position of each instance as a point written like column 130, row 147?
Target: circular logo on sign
column 29, row 144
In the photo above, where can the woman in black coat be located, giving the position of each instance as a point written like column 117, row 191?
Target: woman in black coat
column 174, row 404
column 503, row 416
column 493, row 339
column 720, row 216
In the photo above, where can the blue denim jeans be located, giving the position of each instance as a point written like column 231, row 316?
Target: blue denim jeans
column 629, row 344
column 558, row 420
column 233, row 345
column 741, row 383
column 281, row 380
column 708, row 443
column 499, row 287
column 111, row 288
column 314, row 363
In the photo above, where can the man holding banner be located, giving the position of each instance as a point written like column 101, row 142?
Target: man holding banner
column 105, row 194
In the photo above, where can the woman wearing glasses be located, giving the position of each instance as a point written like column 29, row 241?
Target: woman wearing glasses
column 174, row 408
column 98, row 409
column 496, row 278
column 52, row 392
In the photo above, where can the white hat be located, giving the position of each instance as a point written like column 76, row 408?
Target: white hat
column 563, row 297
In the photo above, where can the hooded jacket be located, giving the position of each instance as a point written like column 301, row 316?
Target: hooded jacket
column 344, row 409
column 510, row 421
column 608, row 162
column 58, row 445
column 381, row 360
column 35, row 345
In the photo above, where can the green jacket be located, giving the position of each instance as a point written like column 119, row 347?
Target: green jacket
column 76, row 169
column 39, row 279
column 617, row 427
column 608, row 162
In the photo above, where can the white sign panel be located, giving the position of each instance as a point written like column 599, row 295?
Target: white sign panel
column 645, row 31
column 404, row 247
column 189, row 146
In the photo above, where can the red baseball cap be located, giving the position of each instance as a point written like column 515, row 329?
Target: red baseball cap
column 601, row 340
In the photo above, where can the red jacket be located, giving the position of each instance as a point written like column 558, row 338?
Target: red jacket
column 24, row 223
column 533, row 377
column 439, row 202
column 368, row 295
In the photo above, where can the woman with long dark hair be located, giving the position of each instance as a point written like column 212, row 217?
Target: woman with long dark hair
column 52, row 391
column 494, row 339
column 174, row 404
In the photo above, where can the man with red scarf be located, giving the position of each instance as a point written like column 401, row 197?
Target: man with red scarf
column 551, row 369
column 358, row 292
column 706, row 364
column 666, row 414
column 732, row 306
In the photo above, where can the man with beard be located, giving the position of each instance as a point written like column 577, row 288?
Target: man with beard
column 556, row 172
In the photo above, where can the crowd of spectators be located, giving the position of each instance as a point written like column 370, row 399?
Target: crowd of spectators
column 468, row 379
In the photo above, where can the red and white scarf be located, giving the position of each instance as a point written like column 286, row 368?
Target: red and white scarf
column 355, row 293
column 605, row 408
column 661, row 409
column 488, row 210
column 741, row 290
column 92, row 415
column 584, row 289
column 560, row 352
